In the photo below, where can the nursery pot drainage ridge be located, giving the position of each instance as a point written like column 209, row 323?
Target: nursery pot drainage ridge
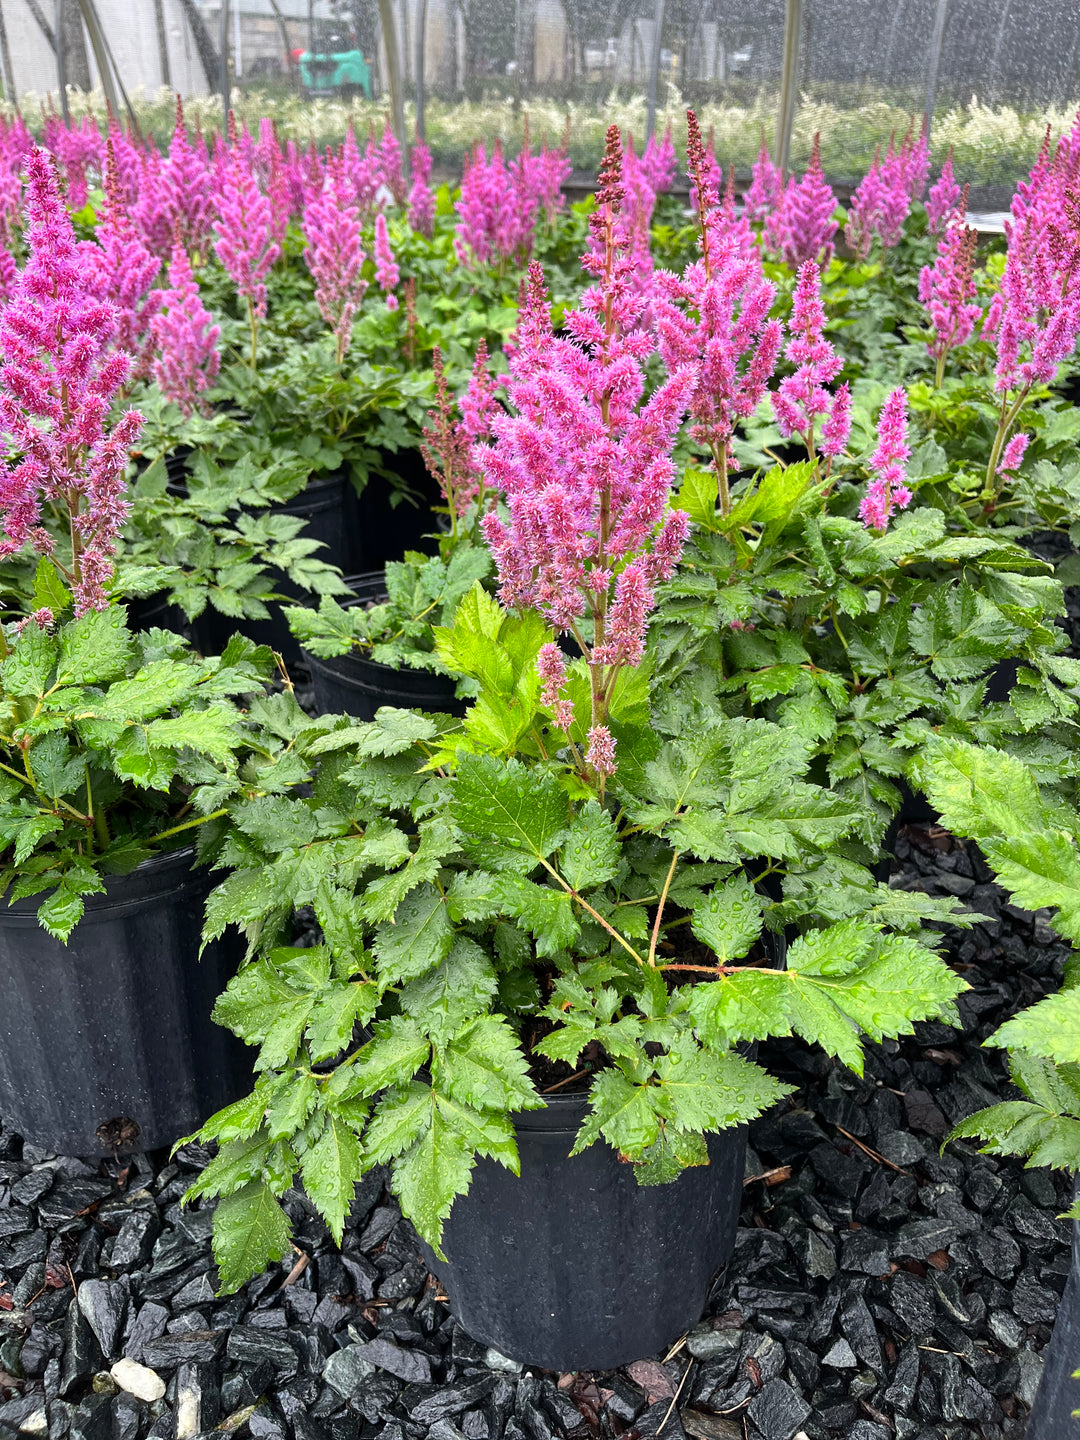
column 107, row 1043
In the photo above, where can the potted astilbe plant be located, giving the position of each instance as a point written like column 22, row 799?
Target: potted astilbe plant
column 114, row 748
column 379, row 648
column 559, row 922
column 812, row 595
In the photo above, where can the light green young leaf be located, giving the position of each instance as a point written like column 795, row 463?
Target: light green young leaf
column 483, row 1066
column 510, row 815
column 418, row 939
column 460, row 988
column 1051, row 1029
column 622, row 1112
column 400, row 1117
column 397, row 1051
column 94, row 648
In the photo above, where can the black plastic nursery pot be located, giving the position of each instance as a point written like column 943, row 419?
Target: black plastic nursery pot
column 1058, row 1394
column 575, row 1266
column 107, row 1043
column 352, row 684
column 322, row 505
column 380, row 530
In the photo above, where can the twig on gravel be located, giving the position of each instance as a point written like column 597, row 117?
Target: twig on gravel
column 872, row 1153
column 776, row 1176
column 298, row 1269
column 678, row 1392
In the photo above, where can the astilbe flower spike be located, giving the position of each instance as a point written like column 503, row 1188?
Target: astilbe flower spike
column 124, row 271
column 882, row 202
column 333, row 252
column 59, row 375
column 451, row 433
column 946, row 200
column 947, row 289
column 421, row 198
column 243, row 227
column 766, row 186
column 717, row 316
column 585, row 466
column 802, row 399
column 386, row 270
column 190, row 199
column 1013, row 454
column 887, row 491
column 865, row 209
column 1034, row 318
column 801, row 228
column 185, row 337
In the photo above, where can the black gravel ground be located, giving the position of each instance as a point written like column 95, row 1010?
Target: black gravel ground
column 879, row 1290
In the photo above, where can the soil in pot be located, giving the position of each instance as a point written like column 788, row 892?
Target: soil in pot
column 107, row 1043
column 354, row 684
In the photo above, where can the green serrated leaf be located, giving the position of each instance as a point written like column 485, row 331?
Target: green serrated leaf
column 251, row 1231
column 331, row 1166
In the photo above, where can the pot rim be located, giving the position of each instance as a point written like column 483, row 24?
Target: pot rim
column 101, row 905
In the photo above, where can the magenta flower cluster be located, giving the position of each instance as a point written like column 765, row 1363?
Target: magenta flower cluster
column 801, row 226
column 386, row 270
column 802, row 403
column 333, row 251
column 421, row 196
column 584, row 463
column 946, row 201
column 947, row 289
column 501, row 203
column 888, row 491
column 715, row 316
column 244, row 244
column 59, row 376
column 121, row 270
column 185, row 338
column 883, row 199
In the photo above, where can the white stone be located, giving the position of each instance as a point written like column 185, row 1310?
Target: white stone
column 138, row 1380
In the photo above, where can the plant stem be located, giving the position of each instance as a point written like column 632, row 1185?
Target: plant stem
column 660, row 908
column 187, row 825
column 595, row 914
column 253, row 322
column 992, row 487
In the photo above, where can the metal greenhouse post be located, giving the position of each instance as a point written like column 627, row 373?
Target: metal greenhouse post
column 789, row 82
column 933, row 63
column 61, row 61
column 388, row 20
column 224, row 57
column 421, row 30
column 162, row 43
column 654, row 68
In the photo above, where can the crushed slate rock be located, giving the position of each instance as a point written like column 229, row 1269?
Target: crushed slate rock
column 880, row 1290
